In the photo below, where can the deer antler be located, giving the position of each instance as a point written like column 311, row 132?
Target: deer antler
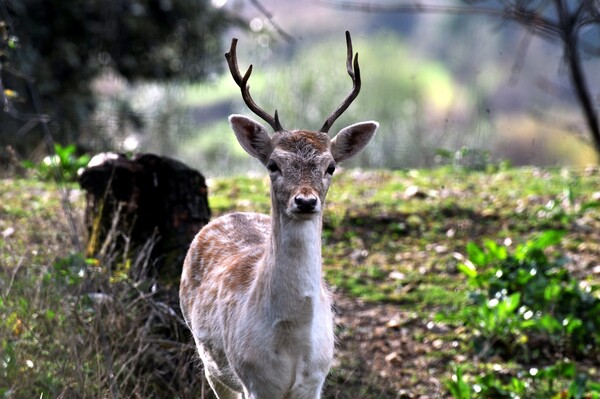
column 355, row 75
column 242, row 82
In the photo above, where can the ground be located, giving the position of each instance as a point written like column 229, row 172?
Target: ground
column 380, row 349
column 392, row 245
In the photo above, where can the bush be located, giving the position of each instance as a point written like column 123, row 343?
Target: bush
column 545, row 383
column 526, row 306
column 62, row 166
column 526, row 296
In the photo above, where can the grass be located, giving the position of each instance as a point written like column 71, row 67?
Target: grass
column 383, row 245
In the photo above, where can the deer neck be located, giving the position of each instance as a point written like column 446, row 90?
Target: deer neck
column 293, row 267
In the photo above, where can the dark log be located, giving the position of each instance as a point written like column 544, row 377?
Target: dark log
column 142, row 213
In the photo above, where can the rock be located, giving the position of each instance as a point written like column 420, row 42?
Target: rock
column 414, row 192
column 393, row 358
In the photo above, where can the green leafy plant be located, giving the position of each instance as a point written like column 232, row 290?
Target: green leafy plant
column 524, row 305
column 527, row 295
column 469, row 159
column 61, row 166
column 559, row 381
column 70, row 270
column 458, row 386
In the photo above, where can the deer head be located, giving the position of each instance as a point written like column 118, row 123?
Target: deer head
column 300, row 162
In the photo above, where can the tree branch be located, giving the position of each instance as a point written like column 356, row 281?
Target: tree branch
column 269, row 17
column 566, row 28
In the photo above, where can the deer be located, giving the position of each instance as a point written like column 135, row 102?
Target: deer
column 252, row 291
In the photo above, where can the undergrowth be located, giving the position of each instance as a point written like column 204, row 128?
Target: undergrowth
column 409, row 242
column 526, row 307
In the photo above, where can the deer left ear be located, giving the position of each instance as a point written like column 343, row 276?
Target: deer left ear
column 351, row 140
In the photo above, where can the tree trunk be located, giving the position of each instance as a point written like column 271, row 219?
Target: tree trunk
column 582, row 92
column 569, row 26
column 142, row 213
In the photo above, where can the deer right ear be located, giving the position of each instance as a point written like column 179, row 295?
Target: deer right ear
column 252, row 136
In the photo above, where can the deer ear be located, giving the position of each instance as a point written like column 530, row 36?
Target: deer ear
column 351, row 140
column 252, row 136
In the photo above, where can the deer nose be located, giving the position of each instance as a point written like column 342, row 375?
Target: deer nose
column 305, row 203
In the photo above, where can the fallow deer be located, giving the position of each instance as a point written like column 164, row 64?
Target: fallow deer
column 251, row 290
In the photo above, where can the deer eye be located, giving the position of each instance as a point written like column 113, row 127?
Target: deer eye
column 331, row 169
column 272, row 166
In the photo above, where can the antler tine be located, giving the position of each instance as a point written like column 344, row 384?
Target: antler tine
column 355, row 75
column 242, row 82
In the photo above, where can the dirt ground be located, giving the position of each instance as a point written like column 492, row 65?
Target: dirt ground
column 381, row 353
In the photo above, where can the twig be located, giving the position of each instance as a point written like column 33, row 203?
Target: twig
column 271, row 20
column 12, row 277
column 143, row 257
column 112, row 231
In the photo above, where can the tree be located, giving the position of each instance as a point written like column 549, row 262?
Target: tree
column 563, row 21
column 52, row 50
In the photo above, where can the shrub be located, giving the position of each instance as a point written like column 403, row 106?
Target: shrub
column 71, row 332
column 544, row 383
column 525, row 305
column 527, row 296
column 61, row 166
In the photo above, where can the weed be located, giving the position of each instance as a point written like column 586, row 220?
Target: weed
column 527, row 295
column 458, row 386
column 559, row 380
column 63, row 165
column 525, row 305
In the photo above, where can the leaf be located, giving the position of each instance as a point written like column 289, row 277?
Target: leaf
column 548, row 238
column 28, row 164
column 64, row 153
column 475, row 254
column 549, row 324
column 594, row 387
column 523, row 276
column 50, row 314
column 567, row 370
column 572, row 324
column 13, row 42
column 14, row 324
column 458, row 387
column 552, row 291
column 468, row 269
column 444, row 153
column 513, row 302
column 495, row 251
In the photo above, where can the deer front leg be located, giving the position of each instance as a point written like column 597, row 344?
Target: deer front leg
column 219, row 389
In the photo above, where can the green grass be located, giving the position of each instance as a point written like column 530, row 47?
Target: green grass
column 379, row 245
column 373, row 234
column 372, row 230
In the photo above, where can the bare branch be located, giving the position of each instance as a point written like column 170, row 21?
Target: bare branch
column 533, row 19
column 269, row 17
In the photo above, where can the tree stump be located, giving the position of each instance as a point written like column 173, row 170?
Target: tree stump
column 142, row 213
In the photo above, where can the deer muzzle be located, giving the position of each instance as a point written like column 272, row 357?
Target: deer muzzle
column 305, row 202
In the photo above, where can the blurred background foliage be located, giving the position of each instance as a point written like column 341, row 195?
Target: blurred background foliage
column 55, row 50
column 148, row 75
